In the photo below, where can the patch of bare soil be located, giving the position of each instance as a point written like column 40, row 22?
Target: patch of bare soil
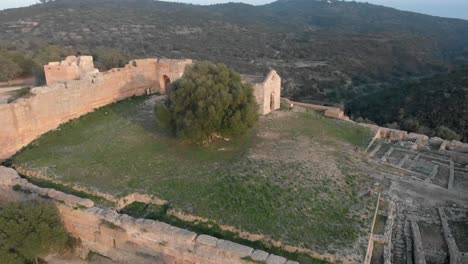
column 276, row 144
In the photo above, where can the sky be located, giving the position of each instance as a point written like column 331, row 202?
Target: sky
column 445, row 8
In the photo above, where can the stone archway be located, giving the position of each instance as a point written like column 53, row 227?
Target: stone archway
column 165, row 83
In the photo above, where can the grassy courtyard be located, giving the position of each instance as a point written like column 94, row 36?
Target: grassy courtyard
column 294, row 178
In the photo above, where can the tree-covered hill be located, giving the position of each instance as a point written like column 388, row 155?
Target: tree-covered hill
column 436, row 105
column 325, row 50
column 337, row 51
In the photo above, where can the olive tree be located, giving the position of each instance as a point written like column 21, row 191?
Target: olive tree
column 209, row 99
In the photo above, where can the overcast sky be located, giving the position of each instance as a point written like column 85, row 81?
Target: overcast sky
column 446, row 8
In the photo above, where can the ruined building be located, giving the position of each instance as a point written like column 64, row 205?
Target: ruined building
column 267, row 91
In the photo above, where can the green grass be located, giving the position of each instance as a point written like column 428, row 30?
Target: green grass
column 119, row 150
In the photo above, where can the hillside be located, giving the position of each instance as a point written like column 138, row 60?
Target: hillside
column 434, row 106
column 325, row 50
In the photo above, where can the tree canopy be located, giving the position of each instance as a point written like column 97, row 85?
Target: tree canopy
column 435, row 106
column 28, row 231
column 208, row 99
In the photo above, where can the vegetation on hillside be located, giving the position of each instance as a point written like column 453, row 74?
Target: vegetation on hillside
column 16, row 62
column 436, row 106
column 209, row 99
column 29, row 231
column 317, row 46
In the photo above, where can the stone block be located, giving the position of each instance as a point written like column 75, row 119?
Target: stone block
column 207, row 240
column 259, row 255
column 8, row 176
column 435, row 141
column 273, row 259
column 52, row 193
column 234, row 248
column 33, row 188
column 185, row 235
column 292, row 262
column 127, row 221
column 418, row 136
column 334, row 113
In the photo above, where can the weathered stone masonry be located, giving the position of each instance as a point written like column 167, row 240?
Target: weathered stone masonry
column 125, row 239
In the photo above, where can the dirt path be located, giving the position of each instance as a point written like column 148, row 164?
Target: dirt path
column 7, row 92
column 7, row 89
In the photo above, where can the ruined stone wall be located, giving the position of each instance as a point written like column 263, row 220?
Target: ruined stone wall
column 123, row 238
column 72, row 68
column 49, row 106
column 126, row 239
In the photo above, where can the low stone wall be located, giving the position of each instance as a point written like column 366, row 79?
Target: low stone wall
column 370, row 245
column 105, row 231
column 10, row 178
column 143, row 198
column 321, row 108
column 49, row 106
column 125, row 239
column 457, row 150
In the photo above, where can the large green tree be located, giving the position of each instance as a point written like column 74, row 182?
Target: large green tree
column 209, row 99
column 29, row 231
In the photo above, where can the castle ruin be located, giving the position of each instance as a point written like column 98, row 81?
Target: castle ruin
column 72, row 68
column 75, row 87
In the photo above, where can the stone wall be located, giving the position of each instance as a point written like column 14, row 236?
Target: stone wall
column 328, row 111
column 72, row 68
column 49, row 106
column 120, row 203
column 125, row 239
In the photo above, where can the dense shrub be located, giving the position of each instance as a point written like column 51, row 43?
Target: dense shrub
column 8, row 69
column 208, row 99
column 435, row 106
column 106, row 58
column 29, row 231
column 446, row 133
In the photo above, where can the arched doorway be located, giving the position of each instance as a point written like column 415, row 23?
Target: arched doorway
column 272, row 102
column 165, row 83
